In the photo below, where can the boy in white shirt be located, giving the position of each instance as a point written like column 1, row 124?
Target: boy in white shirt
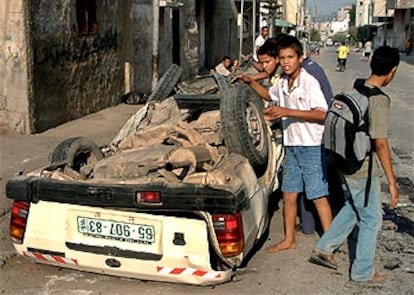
column 302, row 107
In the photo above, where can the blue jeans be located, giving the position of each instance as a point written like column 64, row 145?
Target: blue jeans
column 368, row 220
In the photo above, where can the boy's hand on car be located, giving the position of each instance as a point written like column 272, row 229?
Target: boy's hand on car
column 245, row 78
column 274, row 112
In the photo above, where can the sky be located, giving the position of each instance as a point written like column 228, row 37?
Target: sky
column 321, row 8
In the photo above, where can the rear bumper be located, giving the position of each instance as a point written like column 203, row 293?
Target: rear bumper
column 180, row 197
column 154, row 271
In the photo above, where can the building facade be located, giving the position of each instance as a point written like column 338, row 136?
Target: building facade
column 363, row 12
column 64, row 59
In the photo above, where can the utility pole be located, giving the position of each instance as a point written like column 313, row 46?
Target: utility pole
column 386, row 23
column 240, row 23
column 254, row 23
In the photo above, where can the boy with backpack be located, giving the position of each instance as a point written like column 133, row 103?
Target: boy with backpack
column 302, row 109
column 362, row 188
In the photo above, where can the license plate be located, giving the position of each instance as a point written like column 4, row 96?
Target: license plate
column 114, row 230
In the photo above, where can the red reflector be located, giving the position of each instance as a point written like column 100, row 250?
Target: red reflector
column 19, row 213
column 150, row 197
column 229, row 233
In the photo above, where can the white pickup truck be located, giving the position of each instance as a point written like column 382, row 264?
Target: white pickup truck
column 180, row 195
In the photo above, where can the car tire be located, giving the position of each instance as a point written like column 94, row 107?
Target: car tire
column 221, row 82
column 244, row 128
column 166, row 84
column 77, row 152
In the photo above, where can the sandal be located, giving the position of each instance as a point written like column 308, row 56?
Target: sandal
column 323, row 260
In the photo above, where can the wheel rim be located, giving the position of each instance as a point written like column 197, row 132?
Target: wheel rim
column 83, row 158
column 254, row 126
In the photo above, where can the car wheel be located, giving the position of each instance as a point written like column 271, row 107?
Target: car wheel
column 245, row 131
column 166, row 84
column 77, row 152
column 221, row 82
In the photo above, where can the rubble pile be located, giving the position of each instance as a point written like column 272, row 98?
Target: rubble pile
column 396, row 238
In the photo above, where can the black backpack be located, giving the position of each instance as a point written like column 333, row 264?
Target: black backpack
column 346, row 137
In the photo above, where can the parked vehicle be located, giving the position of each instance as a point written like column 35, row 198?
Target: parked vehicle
column 329, row 42
column 179, row 195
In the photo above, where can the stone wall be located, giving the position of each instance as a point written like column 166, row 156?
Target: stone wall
column 58, row 66
column 178, row 41
column 74, row 73
column 14, row 91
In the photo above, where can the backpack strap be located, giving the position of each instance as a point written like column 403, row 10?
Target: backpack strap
column 360, row 86
column 368, row 184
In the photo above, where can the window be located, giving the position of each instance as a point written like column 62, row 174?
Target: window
column 86, row 17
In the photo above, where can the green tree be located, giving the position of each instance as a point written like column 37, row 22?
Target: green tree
column 352, row 16
column 353, row 34
column 339, row 37
column 314, row 35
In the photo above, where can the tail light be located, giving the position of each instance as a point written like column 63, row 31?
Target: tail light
column 149, row 197
column 19, row 213
column 229, row 232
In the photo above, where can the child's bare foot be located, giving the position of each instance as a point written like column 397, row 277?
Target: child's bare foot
column 281, row 246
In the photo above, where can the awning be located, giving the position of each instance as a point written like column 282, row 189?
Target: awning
column 283, row 23
column 378, row 24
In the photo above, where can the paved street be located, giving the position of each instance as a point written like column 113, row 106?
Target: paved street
column 265, row 273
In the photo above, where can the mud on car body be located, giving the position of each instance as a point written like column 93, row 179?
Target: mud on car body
column 179, row 195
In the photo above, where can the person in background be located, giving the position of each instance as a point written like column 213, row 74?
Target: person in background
column 342, row 54
column 225, row 68
column 408, row 46
column 260, row 40
column 306, row 208
column 367, row 50
column 384, row 64
column 313, row 68
column 301, row 107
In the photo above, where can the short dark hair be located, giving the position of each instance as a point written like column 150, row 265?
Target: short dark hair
column 289, row 41
column 264, row 27
column 270, row 46
column 226, row 57
column 383, row 60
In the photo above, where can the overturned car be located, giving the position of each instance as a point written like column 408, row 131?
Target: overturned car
column 179, row 195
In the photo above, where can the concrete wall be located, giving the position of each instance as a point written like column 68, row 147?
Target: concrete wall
column 141, row 21
column 403, row 27
column 189, row 41
column 74, row 75
column 221, row 32
column 178, row 41
column 53, row 74
column 14, row 91
column 401, row 4
column 363, row 12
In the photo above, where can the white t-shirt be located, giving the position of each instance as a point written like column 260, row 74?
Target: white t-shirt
column 368, row 47
column 306, row 94
column 257, row 43
column 222, row 70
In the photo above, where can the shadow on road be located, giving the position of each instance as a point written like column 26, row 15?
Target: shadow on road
column 407, row 58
